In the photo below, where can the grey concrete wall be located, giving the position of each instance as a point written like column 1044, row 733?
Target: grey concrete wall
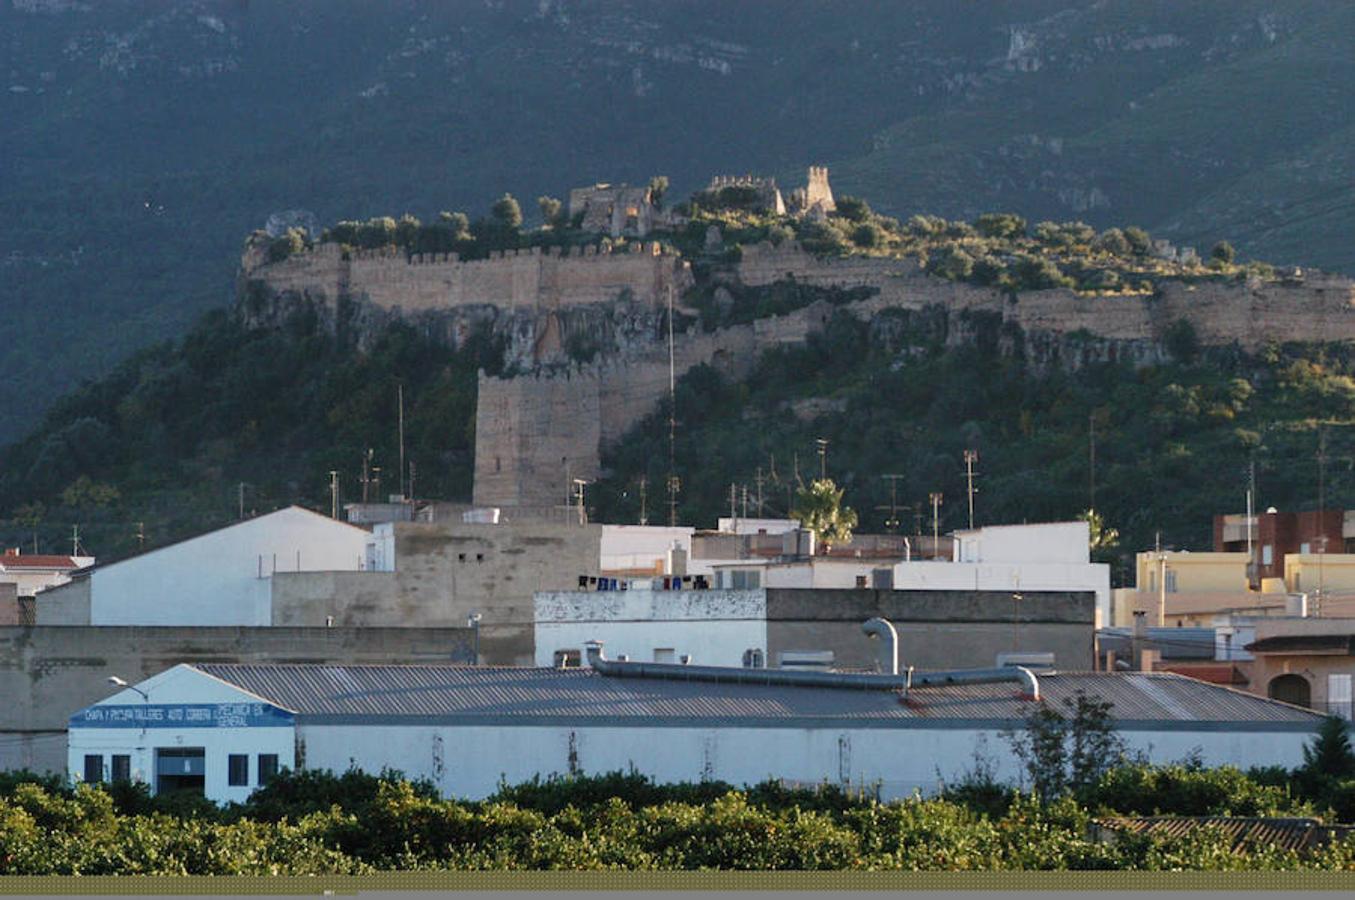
column 48, row 673
column 68, row 604
column 937, row 629
column 353, row 598
column 444, row 571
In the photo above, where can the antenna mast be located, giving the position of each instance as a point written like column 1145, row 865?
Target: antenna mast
column 970, row 457
column 892, row 523
column 674, row 485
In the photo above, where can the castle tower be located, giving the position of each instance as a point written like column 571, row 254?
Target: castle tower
column 817, row 190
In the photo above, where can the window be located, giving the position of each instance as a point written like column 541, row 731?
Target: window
column 94, row 768
column 237, row 766
column 860, row 582
column 744, row 579
column 568, row 659
column 1339, row 695
column 1305, row 548
column 1171, row 581
column 268, row 767
column 122, row 767
column 1267, row 555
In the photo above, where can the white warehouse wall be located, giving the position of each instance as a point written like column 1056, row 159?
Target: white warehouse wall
column 714, row 627
column 472, row 761
column 214, row 579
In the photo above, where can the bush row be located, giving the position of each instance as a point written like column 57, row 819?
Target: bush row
column 313, row 823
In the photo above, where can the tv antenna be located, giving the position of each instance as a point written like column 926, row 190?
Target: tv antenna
column 892, row 523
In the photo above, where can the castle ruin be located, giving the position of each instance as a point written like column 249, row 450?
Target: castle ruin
column 537, row 430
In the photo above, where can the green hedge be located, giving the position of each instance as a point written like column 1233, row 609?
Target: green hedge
column 313, row 823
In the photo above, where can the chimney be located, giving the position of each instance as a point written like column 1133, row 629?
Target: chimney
column 1139, row 639
column 1148, row 659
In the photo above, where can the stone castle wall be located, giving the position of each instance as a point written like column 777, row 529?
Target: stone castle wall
column 531, row 279
column 536, row 432
column 1251, row 314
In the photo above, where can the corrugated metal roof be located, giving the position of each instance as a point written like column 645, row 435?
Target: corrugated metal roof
column 1287, row 834
column 576, row 695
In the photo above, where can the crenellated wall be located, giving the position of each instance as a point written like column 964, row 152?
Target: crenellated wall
column 533, row 279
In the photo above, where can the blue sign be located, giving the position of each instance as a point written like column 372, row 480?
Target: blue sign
column 184, row 715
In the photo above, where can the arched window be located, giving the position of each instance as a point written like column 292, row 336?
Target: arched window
column 1291, row 689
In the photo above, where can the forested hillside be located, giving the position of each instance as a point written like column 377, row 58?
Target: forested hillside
column 139, row 140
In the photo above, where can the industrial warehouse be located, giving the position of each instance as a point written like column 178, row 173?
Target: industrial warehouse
column 223, row 729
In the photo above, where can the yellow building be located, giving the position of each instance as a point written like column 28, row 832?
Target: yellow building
column 1199, row 586
column 1325, row 573
column 1190, row 573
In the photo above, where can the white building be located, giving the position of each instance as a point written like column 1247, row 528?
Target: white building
column 1052, row 556
column 469, row 729
column 219, row 578
column 712, row 627
column 34, row 572
column 644, row 550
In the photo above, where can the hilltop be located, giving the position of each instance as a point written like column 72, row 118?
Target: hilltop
column 139, row 141
column 902, row 343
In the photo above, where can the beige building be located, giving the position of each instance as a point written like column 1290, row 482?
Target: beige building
column 1306, row 661
column 1194, row 588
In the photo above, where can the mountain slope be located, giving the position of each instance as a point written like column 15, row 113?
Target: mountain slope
column 139, row 139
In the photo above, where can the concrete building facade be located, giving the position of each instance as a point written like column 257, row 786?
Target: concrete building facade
column 937, row 629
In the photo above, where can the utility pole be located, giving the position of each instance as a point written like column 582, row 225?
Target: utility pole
column 242, row 499
column 400, row 390
column 75, row 541
column 936, row 522
column 644, row 515
column 1321, row 511
column 674, row 483
column 1251, row 520
column 970, row 457
column 411, row 480
column 733, row 512
column 366, row 478
column 822, row 444
column 333, row 493
column 758, row 480
column 376, row 481
column 744, row 511
column 1091, row 462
